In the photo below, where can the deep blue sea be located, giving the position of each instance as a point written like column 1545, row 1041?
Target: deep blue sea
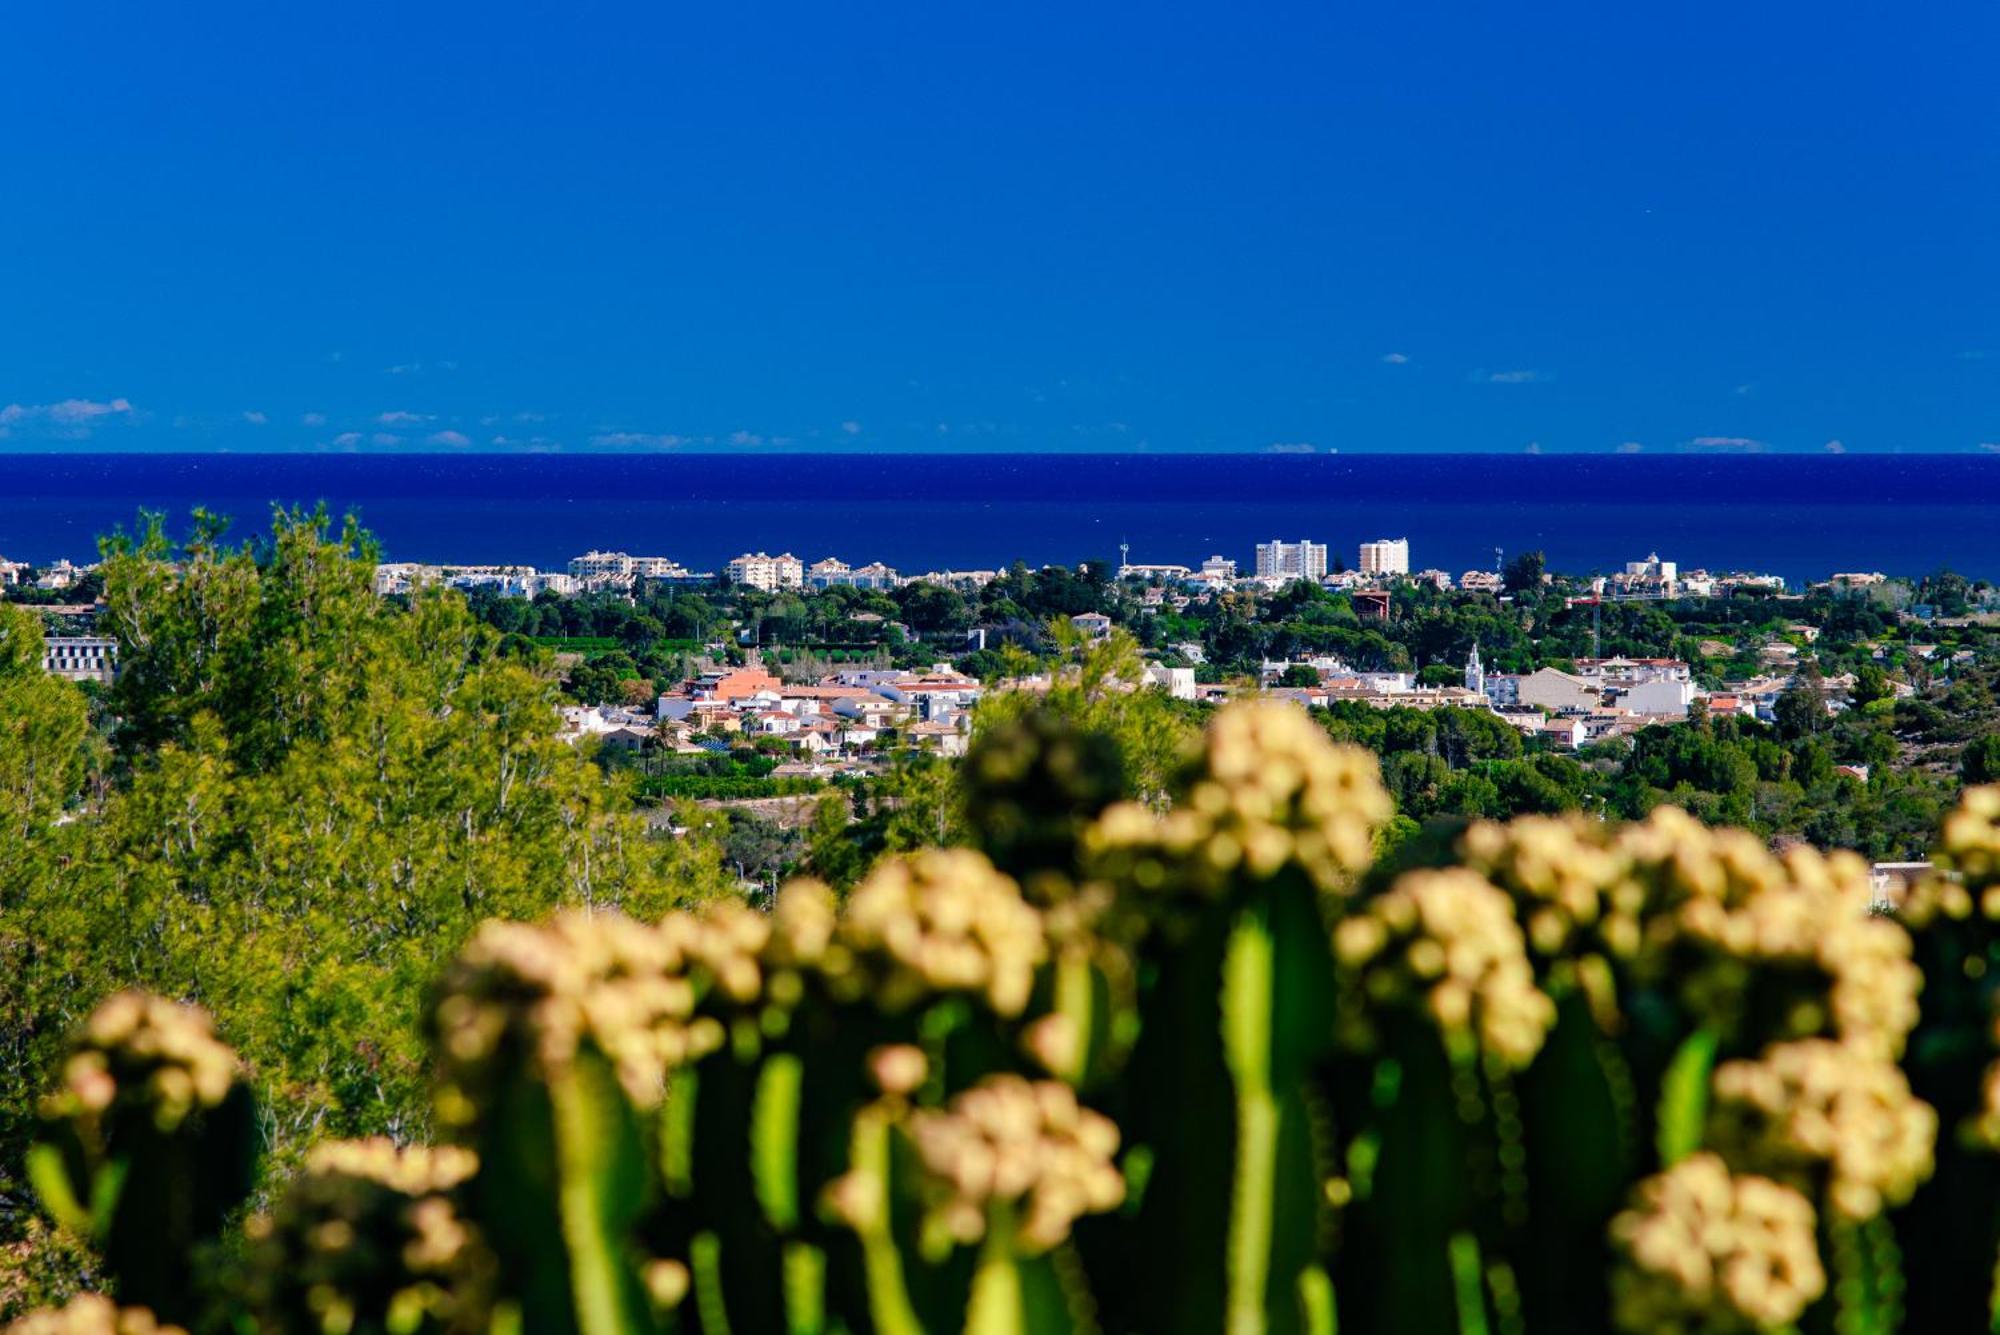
column 1798, row 516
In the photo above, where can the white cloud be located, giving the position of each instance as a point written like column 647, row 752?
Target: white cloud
column 347, row 440
column 1836, row 447
column 1395, row 358
column 1508, row 377
column 851, row 428
column 627, row 440
column 400, row 418
column 453, row 438
column 1747, row 390
column 313, row 419
column 67, row 412
column 385, row 438
column 1739, row 444
column 1291, row 447
column 1532, row 447
column 255, row 418
column 745, row 438
column 1990, row 446
column 1631, row 447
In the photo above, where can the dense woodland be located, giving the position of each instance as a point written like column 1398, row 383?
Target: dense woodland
column 299, row 798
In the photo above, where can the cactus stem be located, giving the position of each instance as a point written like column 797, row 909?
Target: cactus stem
column 1247, row 978
column 1467, row 1284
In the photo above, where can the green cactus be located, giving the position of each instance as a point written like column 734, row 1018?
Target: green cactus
column 554, row 1043
column 147, row 1147
column 1550, row 1075
column 371, row 1239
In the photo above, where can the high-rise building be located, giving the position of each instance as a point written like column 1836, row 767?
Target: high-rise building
column 1385, row 556
column 1291, row 560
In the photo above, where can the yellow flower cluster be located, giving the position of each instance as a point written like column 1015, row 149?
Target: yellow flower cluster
column 1024, row 1145
column 1713, row 913
column 1448, row 938
column 1752, row 917
column 538, row 993
column 92, row 1314
column 1816, row 1110
column 368, row 1235
column 942, row 920
column 1570, row 878
column 1703, row 1251
column 144, row 1051
column 1270, row 791
column 1970, row 841
column 1983, row 1127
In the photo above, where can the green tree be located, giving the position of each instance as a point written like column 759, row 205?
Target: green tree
column 1523, row 572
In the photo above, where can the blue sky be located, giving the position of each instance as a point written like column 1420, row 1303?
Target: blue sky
column 1560, row 226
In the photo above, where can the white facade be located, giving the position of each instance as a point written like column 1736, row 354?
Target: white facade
column 1385, row 556
column 1175, row 681
column 80, row 657
column 1218, row 567
column 1659, row 695
column 835, row 572
column 1652, row 570
column 603, row 567
column 759, row 570
column 1291, row 560
column 1555, row 690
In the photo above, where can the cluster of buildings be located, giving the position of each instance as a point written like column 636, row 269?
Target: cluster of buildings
column 61, row 575
column 507, row 581
column 1655, row 578
column 844, row 718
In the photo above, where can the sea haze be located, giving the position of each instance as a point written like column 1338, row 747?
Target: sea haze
column 1801, row 517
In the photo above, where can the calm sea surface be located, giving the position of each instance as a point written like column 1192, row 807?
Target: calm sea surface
column 1801, row 517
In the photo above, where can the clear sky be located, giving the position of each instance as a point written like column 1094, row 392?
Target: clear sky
column 1561, row 226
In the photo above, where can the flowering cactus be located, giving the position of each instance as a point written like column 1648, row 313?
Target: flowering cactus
column 1179, row 1070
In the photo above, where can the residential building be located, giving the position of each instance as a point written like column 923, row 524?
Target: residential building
column 13, row 572
column 834, row 572
column 80, row 657
column 759, row 570
column 1385, row 556
column 1218, row 568
column 1652, row 570
column 61, row 575
column 965, row 581
column 1094, row 624
column 1551, row 689
column 1175, row 681
column 1166, row 574
column 1479, row 581
column 1291, row 560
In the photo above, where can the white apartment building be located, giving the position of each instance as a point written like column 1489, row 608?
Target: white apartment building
column 1218, row 567
column 1385, row 556
column 1652, row 570
column 834, row 572
column 1291, row 560
column 402, row 577
column 12, row 572
column 80, row 657
column 760, row 570
column 608, row 566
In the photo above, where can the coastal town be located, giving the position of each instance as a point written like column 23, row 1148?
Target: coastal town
column 917, row 686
